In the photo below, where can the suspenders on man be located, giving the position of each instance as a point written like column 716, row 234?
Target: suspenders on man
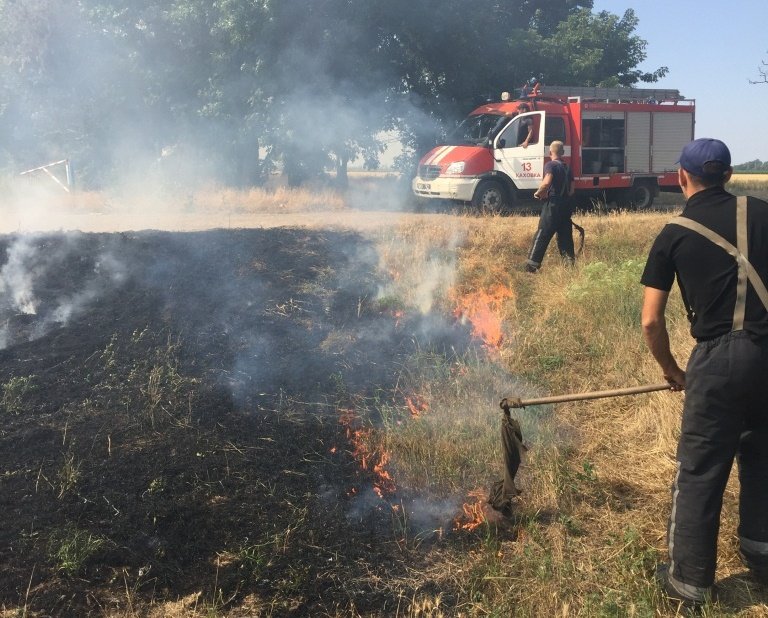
column 740, row 252
column 715, row 430
column 725, row 414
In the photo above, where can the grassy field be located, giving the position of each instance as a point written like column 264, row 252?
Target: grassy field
column 749, row 183
column 407, row 532
column 596, row 499
column 367, row 190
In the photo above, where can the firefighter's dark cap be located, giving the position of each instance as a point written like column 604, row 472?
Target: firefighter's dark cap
column 706, row 158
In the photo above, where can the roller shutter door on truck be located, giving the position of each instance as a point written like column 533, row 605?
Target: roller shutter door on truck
column 671, row 131
column 638, row 148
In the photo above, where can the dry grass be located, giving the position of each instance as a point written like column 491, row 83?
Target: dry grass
column 756, row 184
column 756, row 177
column 274, row 197
column 279, row 199
column 596, row 480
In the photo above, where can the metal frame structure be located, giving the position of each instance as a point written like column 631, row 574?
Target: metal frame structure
column 68, row 183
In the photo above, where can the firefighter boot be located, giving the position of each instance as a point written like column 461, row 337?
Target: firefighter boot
column 686, row 594
column 758, row 572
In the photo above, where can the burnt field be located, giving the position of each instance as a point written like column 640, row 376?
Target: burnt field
column 305, row 421
column 178, row 425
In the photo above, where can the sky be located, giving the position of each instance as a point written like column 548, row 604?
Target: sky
column 712, row 51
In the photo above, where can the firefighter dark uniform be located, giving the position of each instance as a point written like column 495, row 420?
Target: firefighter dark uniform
column 718, row 250
column 555, row 218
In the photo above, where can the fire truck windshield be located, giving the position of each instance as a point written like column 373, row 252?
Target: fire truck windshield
column 477, row 129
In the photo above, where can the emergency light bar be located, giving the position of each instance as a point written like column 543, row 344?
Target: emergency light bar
column 605, row 94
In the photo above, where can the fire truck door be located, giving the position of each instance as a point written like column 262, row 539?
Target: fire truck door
column 523, row 164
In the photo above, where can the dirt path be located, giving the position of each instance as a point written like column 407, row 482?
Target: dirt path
column 37, row 220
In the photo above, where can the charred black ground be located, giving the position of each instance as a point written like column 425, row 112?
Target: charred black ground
column 171, row 405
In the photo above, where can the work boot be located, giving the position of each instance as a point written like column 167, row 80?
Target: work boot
column 758, row 572
column 685, row 594
column 529, row 268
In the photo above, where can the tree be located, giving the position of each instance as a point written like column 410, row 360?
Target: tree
column 598, row 50
column 38, row 90
column 763, row 72
column 326, row 82
column 244, row 87
column 450, row 56
column 752, row 166
column 193, row 118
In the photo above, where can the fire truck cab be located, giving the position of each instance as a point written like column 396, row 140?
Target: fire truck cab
column 622, row 145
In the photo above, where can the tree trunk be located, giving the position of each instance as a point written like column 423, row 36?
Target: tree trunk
column 342, row 180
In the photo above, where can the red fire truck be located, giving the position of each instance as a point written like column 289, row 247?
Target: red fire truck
column 622, row 145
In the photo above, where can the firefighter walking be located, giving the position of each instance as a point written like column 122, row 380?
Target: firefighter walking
column 556, row 188
column 718, row 251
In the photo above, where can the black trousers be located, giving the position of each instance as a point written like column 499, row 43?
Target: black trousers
column 725, row 415
column 555, row 219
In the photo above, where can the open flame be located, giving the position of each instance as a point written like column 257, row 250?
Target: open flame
column 473, row 512
column 374, row 460
column 417, row 405
column 371, row 459
column 483, row 310
column 398, row 315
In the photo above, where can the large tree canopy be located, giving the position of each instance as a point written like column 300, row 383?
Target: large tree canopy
column 229, row 90
column 599, row 50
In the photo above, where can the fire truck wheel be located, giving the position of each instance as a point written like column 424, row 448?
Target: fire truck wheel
column 640, row 196
column 490, row 197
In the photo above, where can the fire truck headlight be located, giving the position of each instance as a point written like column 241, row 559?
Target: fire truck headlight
column 457, row 167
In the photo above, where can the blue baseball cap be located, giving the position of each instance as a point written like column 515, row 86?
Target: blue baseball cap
column 706, row 158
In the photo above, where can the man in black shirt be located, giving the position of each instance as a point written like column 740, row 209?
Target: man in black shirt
column 718, row 251
column 556, row 188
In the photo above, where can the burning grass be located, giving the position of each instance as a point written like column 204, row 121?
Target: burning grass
column 592, row 523
column 288, row 422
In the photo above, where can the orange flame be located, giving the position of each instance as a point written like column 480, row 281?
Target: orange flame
column 483, row 309
column 371, row 460
column 416, row 405
column 473, row 513
column 398, row 315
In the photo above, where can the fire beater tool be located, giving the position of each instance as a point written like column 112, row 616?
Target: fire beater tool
column 516, row 402
column 503, row 493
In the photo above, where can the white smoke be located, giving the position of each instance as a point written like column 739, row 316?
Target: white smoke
column 425, row 277
column 108, row 268
column 32, row 263
column 17, row 276
column 439, row 274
